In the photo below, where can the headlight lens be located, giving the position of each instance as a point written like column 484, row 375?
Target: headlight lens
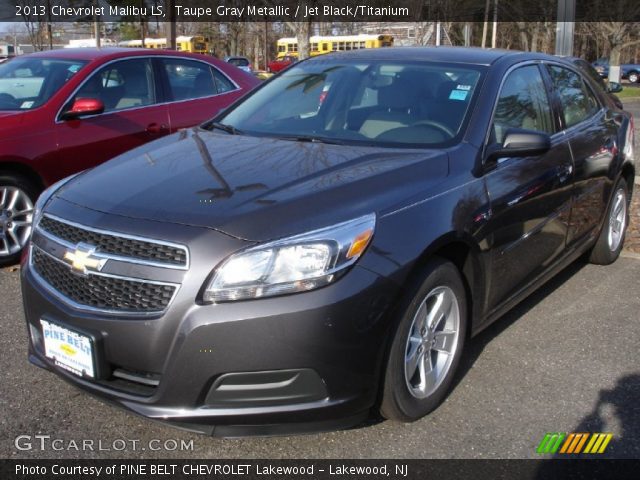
column 46, row 195
column 295, row 264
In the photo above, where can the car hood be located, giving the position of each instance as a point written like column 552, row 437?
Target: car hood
column 255, row 188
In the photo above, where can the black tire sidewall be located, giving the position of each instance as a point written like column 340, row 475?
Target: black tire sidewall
column 398, row 403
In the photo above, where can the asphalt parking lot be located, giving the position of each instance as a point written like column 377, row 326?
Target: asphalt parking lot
column 565, row 360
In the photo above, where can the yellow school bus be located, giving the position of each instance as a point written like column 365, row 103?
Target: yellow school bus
column 321, row 44
column 193, row 44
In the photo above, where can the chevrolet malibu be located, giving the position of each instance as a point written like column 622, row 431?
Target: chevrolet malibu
column 322, row 251
column 67, row 110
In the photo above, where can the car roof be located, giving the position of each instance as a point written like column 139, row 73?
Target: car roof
column 470, row 55
column 106, row 53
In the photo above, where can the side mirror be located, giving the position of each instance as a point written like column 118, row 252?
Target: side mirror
column 82, row 107
column 614, row 87
column 520, row 143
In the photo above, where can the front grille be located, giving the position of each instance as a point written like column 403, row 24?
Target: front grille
column 114, row 244
column 101, row 292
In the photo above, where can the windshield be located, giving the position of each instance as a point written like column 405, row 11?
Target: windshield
column 27, row 83
column 373, row 102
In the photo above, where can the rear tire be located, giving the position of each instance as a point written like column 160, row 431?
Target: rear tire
column 634, row 77
column 609, row 244
column 428, row 344
column 18, row 196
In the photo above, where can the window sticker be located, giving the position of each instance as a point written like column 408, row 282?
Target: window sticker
column 458, row 95
column 27, row 104
column 464, row 87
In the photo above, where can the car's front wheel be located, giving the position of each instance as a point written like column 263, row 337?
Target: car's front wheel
column 611, row 239
column 17, row 198
column 428, row 344
column 634, row 77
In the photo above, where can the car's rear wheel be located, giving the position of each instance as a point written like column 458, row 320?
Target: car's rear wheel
column 634, row 77
column 17, row 198
column 428, row 344
column 611, row 239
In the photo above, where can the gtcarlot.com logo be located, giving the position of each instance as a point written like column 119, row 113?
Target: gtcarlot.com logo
column 47, row 442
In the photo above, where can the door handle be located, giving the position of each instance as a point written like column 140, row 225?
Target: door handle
column 156, row 128
column 564, row 171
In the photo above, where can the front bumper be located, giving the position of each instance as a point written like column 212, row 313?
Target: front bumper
column 297, row 363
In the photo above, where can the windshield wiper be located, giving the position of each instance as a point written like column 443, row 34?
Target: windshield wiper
column 312, row 139
column 230, row 129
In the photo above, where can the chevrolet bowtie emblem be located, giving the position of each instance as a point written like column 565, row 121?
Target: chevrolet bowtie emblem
column 81, row 259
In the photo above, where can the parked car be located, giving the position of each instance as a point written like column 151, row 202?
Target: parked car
column 242, row 63
column 279, row 64
column 322, row 250
column 68, row 110
column 628, row 71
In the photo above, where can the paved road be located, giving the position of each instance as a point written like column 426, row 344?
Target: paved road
column 566, row 360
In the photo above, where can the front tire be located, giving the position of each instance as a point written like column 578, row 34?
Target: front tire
column 609, row 244
column 17, row 199
column 634, row 77
column 428, row 344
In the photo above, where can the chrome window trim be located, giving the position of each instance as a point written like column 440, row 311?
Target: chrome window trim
column 111, row 233
column 86, row 308
column 58, row 120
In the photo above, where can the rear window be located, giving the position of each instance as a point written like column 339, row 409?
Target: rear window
column 239, row 62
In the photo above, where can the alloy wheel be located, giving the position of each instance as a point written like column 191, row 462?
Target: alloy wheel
column 617, row 220
column 16, row 219
column 432, row 342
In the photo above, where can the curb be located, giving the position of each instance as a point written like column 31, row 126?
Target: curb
column 627, row 254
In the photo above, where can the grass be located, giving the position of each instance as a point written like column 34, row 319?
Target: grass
column 629, row 92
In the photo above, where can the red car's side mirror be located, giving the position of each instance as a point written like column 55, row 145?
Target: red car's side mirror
column 82, row 107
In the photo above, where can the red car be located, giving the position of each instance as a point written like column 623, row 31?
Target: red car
column 68, row 110
column 280, row 64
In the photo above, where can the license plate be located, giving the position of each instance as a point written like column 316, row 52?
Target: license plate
column 68, row 349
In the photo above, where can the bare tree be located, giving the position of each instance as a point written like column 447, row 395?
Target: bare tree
column 36, row 27
column 620, row 36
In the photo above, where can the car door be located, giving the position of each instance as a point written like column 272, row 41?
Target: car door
column 196, row 91
column 133, row 115
column 592, row 136
column 530, row 197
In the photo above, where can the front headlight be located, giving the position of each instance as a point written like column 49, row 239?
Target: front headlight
column 46, row 195
column 295, row 264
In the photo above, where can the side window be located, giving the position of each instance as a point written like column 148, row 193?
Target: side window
column 523, row 103
column 189, row 79
column 223, row 84
column 578, row 102
column 120, row 85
